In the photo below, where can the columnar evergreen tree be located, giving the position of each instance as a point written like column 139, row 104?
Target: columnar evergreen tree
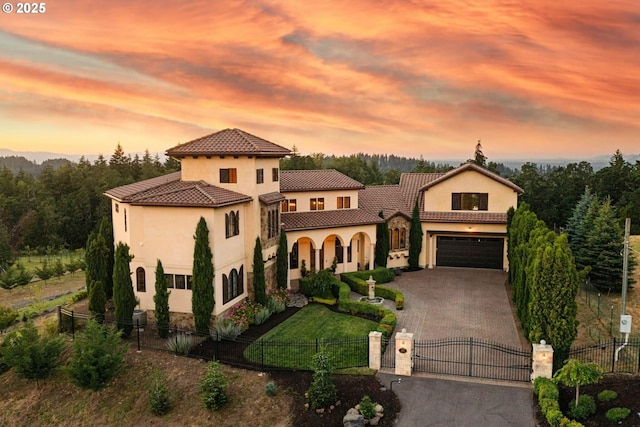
column 202, row 298
column 123, row 296
column 553, row 307
column 161, row 300
column 97, row 261
column 282, row 266
column 97, row 300
column 415, row 238
column 382, row 243
column 259, row 281
column 106, row 231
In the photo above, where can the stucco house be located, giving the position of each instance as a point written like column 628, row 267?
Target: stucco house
column 232, row 179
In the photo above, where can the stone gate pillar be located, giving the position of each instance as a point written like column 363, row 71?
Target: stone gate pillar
column 375, row 350
column 404, row 353
column 542, row 361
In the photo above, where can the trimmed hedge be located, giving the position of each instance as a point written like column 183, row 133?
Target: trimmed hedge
column 388, row 319
column 357, row 282
column 547, row 392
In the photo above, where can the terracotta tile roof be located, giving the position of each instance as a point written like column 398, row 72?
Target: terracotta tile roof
column 229, row 142
column 173, row 192
column 410, row 184
column 465, row 217
column 269, row 198
column 385, row 198
column 327, row 219
column 316, row 180
column 473, row 166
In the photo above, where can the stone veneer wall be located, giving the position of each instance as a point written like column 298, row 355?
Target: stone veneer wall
column 183, row 321
column 269, row 275
column 264, row 225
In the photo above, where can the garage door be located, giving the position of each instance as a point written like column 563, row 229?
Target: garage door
column 470, row 252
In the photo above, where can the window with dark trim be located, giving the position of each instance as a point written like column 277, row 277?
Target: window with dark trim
column 232, row 285
column 293, row 256
column 232, row 223
column 125, row 220
column 275, row 174
column 178, row 281
column 339, row 252
column 117, row 208
column 229, row 176
column 169, row 279
column 273, row 227
column 316, row 204
column 259, row 176
column 141, row 280
column 289, row 205
column 469, row 201
column 403, row 238
column 344, row 202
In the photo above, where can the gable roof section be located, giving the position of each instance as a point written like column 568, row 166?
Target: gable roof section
column 169, row 190
column 385, row 198
column 270, row 198
column 410, row 185
column 476, row 168
column 229, row 142
column 316, row 180
column 327, row 219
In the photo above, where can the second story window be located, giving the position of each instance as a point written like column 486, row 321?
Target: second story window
column 275, row 174
column 469, row 201
column 228, row 176
column 232, row 224
column 273, row 228
column 344, row 202
column 259, row 176
column 289, row 205
column 316, row 204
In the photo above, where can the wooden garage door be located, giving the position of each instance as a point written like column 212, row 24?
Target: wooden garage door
column 476, row 252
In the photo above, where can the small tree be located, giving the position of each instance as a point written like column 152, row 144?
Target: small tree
column 282, row 266
column 33, row 357
column 44, row 272
column 161, row 300
column 7, row 317
column 259, row 281
column 575, row 373
column 322, row 392
column 415, row 238
column 97, row 300
column 97, row 261
column 98, row 356
column 382, row 242
column 124, row 299
column 159, row 394
column 202, row 298
column 213, row 387
column 106, row 231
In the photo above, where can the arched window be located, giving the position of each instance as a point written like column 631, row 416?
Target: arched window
column 232, row 285
column 236, row 224
column 396, row 239
column 293, row 256
column 232, row 224
column 225, row 289
column 403, row 238
column 141, row 280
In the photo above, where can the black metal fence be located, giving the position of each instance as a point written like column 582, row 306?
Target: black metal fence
column 258, row 354
column 604, row 354
column 388, row 353
column 474, row 358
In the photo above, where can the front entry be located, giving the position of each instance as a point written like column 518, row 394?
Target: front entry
column 472, row 252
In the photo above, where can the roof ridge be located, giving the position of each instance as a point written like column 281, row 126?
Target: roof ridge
column 204, row 193
column 242, row 134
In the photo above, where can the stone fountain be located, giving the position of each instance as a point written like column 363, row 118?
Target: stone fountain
column 372, row 298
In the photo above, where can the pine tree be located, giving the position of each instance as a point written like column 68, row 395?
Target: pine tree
column 604, row 242
column 382, row 243
column 478, row 156
column 282, row 266
column 202, row 298
column 259, row 281
column 582, row 253
column 161, row 300
column 575, row 232
column 415, row 238
column 123, row 296
column 97, row 300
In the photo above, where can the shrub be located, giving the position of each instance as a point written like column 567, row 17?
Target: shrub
column 607, row 395
column 325, row 301
column 585, row 407
column 159, row 394
column 277, row 300
column 245, row 313
column 262, row 315
column 539, row 382
column 553, row 416
column 7, row 317
column 32, row 357
column 180, row 344
column 213, row 387
column 617, row 414
column 547, row 405
column 322, row 392
column 270, row 388
column 50, row 328
column 367, row 408
column 79, row 296
column 228, row 329
column 98, row 356
column 275, row 306
column 321, row 283
column 566, row 422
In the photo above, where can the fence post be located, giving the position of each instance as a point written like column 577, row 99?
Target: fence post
column 138, row 333
column 73, row 326
column 470, row 356
column 375, row 350
column 59, row 319
column 613, row 356
column 217, row 347
column 611, row 321
column 262, row 353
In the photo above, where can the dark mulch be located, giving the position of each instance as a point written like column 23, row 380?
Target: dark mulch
column 351, row 388
column 628, row 389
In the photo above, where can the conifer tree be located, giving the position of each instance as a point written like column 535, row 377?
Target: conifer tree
column 123, row 296
column 96, row 261
column 581, row 253
column 202, row 298
column 382, row 243
column 259, row 281
column 97, row 300
column 106, row 231
column 282, row 266
column 161, row 300
column 415, row 238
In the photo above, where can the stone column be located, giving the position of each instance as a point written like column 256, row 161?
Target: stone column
column 404, row 353
column 344, row 259
column 542, row 365
column 375, row 350
column 316, row 254
column 430, row 250
column 372, row 257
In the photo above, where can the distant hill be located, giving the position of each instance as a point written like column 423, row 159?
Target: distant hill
column 18, row 163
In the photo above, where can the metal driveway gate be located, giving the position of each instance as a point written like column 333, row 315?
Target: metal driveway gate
column 473, row 358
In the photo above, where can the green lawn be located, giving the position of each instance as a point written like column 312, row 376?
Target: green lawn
column 32, row 261
column 293, row 343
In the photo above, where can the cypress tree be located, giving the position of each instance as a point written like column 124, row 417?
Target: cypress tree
column 161, row 300
column 282, row 266
column 106, row 231
column 382, row 243
column 96, row 260
column 97, row 300
column 259, row 281
column 123, row 296
column 202, row 298
column 415, row 238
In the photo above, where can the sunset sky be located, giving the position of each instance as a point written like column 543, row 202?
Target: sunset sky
column 535, row 78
